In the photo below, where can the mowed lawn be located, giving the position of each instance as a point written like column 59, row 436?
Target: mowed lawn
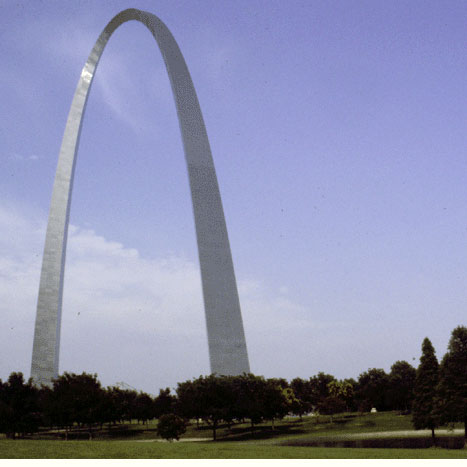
column 44, row 449
column 137, row 441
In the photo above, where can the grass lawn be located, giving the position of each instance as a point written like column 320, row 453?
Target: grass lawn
column 319, row 426
column 42, row 449
column 136, row 441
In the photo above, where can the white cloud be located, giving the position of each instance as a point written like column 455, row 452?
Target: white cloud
column 19, row 157
column 125, row 317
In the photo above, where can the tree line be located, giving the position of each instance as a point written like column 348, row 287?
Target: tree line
column 434, row 393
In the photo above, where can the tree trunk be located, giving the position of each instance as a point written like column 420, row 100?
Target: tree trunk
column 214, row 426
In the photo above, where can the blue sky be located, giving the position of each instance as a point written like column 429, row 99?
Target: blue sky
column 338, row 131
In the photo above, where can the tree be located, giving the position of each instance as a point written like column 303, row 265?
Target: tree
column 426, row 380
column 210, row 398
column 275, row 399
column 19, row 406
column 302, row 392
column 128, row 404
column 76, row 398
column 331, row 405
column 113, row 405
column 187, row 401
column 340, row 394
column 171, row 426
column 164, row 403
column 319, row 388
column 452, row 386
column 144, row 407
column 249, row 390
column 401, row 385
column 372, row 389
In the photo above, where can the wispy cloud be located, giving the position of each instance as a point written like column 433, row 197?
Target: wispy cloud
column 125, row 316
column 19, row 157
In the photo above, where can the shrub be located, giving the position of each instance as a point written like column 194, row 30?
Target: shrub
column 171, row 426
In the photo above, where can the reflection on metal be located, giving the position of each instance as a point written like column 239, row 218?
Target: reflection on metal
column 226, row 339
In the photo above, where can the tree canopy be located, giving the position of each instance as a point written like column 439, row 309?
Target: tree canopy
column 452, row 386
column 426, row 380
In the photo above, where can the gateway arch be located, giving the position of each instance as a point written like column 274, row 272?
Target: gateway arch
column 226, row 338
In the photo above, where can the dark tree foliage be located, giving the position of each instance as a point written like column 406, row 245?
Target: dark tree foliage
column 144, row 407
column 249, row 390
column 259, row 399
column 128, row 404
column 275, row 404
column 349, row 395
column 164, row 403
column 319, row 389
column 372, row 389
column 113, row 405
column 187, row 396
column 452, row 387
column 226, row 398
column 208, row 397
column 423, row 406
column 171, row 426
column 331, row 405
column 401, row 386
column 302, row 392
column 75, row 399
column 280, row 382
column 339, row 399
column 19, row 406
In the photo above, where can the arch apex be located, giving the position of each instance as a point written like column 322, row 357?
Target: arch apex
column 226, row 338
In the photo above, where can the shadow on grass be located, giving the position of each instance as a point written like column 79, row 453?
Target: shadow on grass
column 447, row 442
column 283, row 428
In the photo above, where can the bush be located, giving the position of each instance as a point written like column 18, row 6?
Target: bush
column 171, row 426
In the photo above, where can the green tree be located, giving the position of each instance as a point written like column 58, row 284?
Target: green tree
column 187, row 401
column 340, row 397
column 372, row 389
column 319, row 389
column 113, row 405
column 19, row 406
column 171, row 426
column 426, row 380
column 275, row 399
column 452, row 386
column 331, row 405
column 208, row 397
column 401, row 386
column 249, row 390
column 76, row 398
column 164, row 403
column 144, row 407
column 302, row 392
column 128, row 404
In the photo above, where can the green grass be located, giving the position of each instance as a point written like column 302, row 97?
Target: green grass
column 42, row 449
column 320, row 426
column 236, row 442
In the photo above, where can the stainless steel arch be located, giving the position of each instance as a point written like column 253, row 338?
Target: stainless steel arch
column 226, row 338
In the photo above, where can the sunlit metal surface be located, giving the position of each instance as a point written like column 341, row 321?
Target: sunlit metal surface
column 226, row 338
